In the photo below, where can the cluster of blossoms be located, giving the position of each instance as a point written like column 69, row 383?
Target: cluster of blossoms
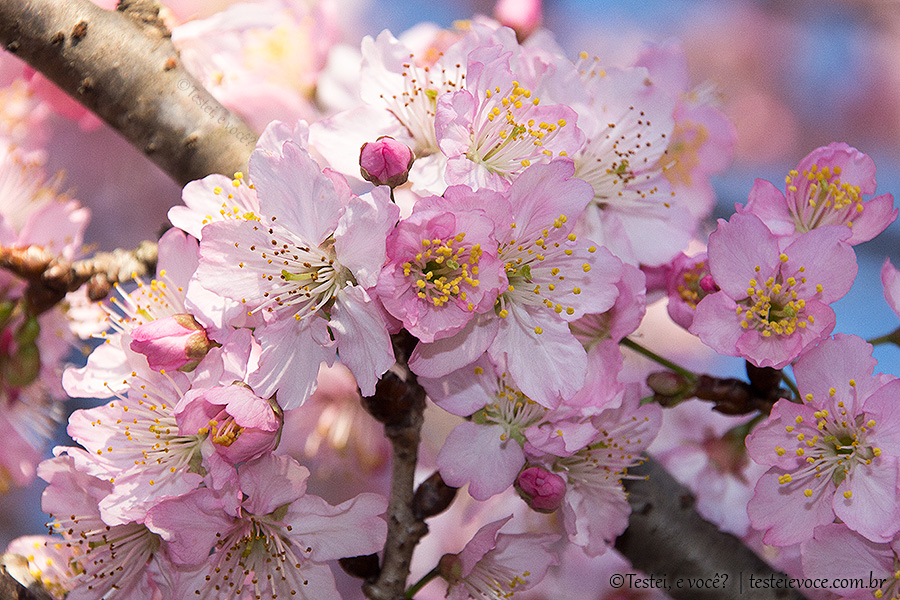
column 510, row 209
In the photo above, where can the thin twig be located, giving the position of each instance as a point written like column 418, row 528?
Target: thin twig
column 51, row 277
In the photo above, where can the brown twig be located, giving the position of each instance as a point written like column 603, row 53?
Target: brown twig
column 123, row 66
column 399, row 403
column 50, row 277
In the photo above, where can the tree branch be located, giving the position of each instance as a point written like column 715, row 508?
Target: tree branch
column 668, row 538
column 123, row 66
column 50, row 277
column 399, row 403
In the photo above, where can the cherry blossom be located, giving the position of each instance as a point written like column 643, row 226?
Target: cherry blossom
column 277, row 543
column 303, row 264
column 835, row 455
column 554, row 277
column 497, row 565
column 773, row 302
column 826, row 188
column 125, row 559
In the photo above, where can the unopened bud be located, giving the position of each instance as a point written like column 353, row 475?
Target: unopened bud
column 23, row 367
column 541, row 489
column 432, row 497
column 28, row 331
column 522, row 16
column 670, row 387
column 708, row 284
column 385, row 161
column 174, row 343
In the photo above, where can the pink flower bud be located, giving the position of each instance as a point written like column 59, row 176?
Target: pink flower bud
column 523, row 16
column 541, row 489
column 176, row 342
column 708, row 285
column 385, row 161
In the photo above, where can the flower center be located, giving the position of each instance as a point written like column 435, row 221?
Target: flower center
column 514, row 411
column 506, row 134
column 415, row 106
column 532, row 279
column 773, row 305
column 222, row 429
column 308, row 277
column 444, row 271
column 623, row 162
column 682, row 156
column 821, row 198
column 831, row 453
column 257, row 547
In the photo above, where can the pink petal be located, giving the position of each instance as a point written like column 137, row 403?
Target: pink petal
column 481, row 543
column 873, row 510
column 190, row 524
column 293, row 188
column 769, row 204
column 272, row 481
column 468, row 448
column 890, row 279
column 785, row 513
column 352, row 528
column 362, row 337
column 736, row 247
column 546, row 366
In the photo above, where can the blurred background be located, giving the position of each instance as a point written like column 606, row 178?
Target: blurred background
column 791, row 74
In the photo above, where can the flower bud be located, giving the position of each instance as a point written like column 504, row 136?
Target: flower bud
column 522, row 16
column 541, row 489
column 708, row 284
column 385, row 161
column 176, row 342
column 23, row 367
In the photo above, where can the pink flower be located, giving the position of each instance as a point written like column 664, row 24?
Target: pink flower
column 241, row 426
column 489, row 449
column 836, row 549
column 835, row 455
column 634, row 211
column 122, row 559
column 703, row 139
column 595, row 508
column 554, row 277
column 542, row 490
column 173, row 343
column 687, row 283
column 495, row 128
column 442, row 268
column 303, row 266
column 497, row 565
column 111, row 364
column 826, row 188
column 773, row 303
column 277, row 543
column 385, row 161
column 261, row 64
